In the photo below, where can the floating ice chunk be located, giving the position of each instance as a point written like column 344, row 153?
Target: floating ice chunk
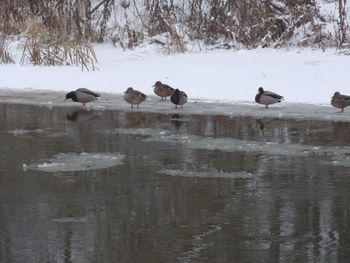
column 19, row 132
column 48, row 165
column 207, row 174
column 70, row 220
column 69, row 162
column 237, row 145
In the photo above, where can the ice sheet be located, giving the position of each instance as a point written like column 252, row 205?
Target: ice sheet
column 339, row 154
column 207, row 174
column 69, row 162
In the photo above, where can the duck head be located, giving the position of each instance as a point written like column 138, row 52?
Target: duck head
column 129, row 90
column 157, row 84
column 336, row 94
column 71, row 95
column 261, row 90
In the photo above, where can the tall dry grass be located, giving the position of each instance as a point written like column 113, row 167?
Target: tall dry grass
column 172, row 25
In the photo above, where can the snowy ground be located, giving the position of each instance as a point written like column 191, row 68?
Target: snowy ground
column 301, row 76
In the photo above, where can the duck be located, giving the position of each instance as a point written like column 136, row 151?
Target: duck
column 82, row 95
column 162, row 90
column 267, row 97
column 340, row 101
column 134, row 97
column 178, row 98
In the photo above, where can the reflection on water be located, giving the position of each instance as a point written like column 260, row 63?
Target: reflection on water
column 81, row 115
column 168, row 201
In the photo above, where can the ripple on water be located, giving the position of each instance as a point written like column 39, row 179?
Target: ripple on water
column 70, row 162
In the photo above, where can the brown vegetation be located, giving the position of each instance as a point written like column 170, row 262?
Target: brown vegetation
column 170, row 24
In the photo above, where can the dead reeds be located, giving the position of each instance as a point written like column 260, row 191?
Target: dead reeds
column 171, row 25
column 40, row 48
column 5, row 55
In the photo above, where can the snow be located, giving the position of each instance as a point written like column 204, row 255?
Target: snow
column 301, row 76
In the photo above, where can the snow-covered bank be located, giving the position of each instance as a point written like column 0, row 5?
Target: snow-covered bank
column 109, row 101
column 304, row 76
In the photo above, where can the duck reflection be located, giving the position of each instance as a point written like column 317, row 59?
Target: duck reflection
column 261, row 127
column 134, row 119
column 176, row 121
column 81, row 115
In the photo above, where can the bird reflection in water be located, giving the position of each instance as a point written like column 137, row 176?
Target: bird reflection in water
column 261, row 126
column 176, row 120
column 81, row 115
column 134, row 119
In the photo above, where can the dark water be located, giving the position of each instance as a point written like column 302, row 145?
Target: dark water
column 201, row 197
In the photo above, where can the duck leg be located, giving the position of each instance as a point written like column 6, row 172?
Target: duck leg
column 267, row 106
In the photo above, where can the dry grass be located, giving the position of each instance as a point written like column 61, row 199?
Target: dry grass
column 5, row 55
column 169, row 24
column 40, row 49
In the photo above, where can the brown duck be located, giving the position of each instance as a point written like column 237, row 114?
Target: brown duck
column 134, row 97
column 163, row 90
column 340, row 101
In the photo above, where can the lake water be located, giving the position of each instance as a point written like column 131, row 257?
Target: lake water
column 90, row 185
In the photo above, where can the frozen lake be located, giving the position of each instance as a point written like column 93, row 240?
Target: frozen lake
column 210, row 183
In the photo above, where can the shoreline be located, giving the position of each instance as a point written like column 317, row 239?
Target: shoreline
column 108, row 101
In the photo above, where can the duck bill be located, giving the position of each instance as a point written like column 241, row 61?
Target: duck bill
column 65, row 100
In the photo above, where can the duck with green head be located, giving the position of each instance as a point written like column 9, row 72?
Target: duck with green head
column 267, row 98
column 178, row 98
column 82, row 95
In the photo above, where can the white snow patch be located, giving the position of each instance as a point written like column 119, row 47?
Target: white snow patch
column 302, row 76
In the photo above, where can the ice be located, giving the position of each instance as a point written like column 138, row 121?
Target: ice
column 19, row 132
column 108, row 101
column 70, row 220
column 47, row 131
column 341, row 153
column 67, row 162
column 207, row 174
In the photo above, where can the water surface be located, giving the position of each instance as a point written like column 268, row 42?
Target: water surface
column 134, row 186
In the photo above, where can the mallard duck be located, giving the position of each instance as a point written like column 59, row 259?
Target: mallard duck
column 340, row 101
column 82, row 95
column 134, row 97
column 267, row 97
column 163, row 90
column 178, row 98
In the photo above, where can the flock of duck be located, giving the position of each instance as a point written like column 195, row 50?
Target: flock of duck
column 179, row 98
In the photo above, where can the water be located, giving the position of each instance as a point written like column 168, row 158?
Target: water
column 98, row 185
